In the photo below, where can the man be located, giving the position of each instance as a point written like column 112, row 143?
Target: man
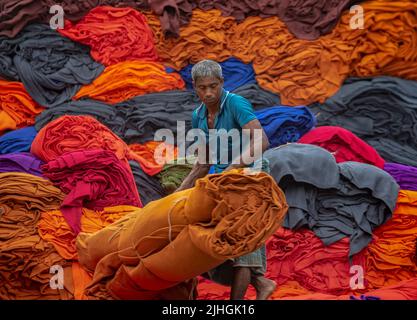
column 223, row 110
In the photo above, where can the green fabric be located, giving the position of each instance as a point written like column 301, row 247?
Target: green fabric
column 172, row 175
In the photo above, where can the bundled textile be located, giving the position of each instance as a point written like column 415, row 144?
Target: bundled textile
column 51, row 67
column 152, row 155
column 390, row 257
column 17, row 108
column 53, row 227
column 285, row 124
column 125, row 80
column 223, row 216
column 149, row 187
column 349, row 199
column 258, row 97
column 405, row 176
column 235, row 74
column 26, row 259
column 114, row 35
column 173, row 174
column 381, row 110
column 17, row 141
column 343, row 144
column 21, row 162
column 94, row 179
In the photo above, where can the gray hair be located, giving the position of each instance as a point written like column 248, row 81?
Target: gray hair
column 206, row 68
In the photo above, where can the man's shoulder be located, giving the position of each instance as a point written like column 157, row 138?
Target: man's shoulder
column 237, row 101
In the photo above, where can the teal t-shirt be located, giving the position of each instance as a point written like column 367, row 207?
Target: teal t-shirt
column 235, row 112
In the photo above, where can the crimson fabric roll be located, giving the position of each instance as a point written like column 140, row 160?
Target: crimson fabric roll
column 51, row 67
column 94, row 179
column 405, row 176
column 381, row 110
column 21, row 162
column 114, row 35
column 343, row 144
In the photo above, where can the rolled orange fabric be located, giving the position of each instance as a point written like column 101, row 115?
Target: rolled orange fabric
column 224, row 216
column 17, row 108
column 390, row 257
column 129, row 79
column 114, row 35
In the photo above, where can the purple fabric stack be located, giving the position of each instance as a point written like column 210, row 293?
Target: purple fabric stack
column 405, row 176
column 21, row 162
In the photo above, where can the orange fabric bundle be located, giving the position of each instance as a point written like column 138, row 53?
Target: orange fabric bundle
column 25, row 258
column 387, row 43
column 129, row 79
column 114, row 35
column 17, row 108
column 390, row 257
column 52, row 227
column 150, row 161
column 205, row 37
column 223, row 216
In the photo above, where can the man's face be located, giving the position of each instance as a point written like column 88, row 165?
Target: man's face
column 209, row 90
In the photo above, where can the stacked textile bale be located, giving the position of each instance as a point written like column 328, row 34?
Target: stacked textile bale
column 21, row 162
column 17, row 141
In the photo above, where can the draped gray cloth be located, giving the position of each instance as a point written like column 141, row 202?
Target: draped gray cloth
column 382, row 111
column 259, row 97
column 349, row 199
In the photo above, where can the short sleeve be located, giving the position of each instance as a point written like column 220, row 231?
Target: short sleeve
column 242, row 110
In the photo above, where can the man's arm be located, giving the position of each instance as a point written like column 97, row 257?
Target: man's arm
column 255, row 140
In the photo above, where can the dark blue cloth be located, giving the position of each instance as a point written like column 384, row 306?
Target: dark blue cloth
column 285, row 124
column 235, row 74
column 18, row 140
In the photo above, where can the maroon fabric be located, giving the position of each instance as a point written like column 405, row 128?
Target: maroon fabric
column 94, row 179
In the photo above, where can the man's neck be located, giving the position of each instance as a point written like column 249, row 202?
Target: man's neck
column 213, row 109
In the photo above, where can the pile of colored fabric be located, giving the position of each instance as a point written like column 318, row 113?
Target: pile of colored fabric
column 53, row 227
column 125, row 80
column 285, row 124
column 51, row 67
column 224, row 216
column 380, row 110
column 258, row 97
column 17, row 108
column 235, row 74
column 153, row 155
column 114, row 35
column 25, row 259
column 390, row 257
column 343, row 144
column 349, row 199
column 17, row 141
column 173, row 174
column 94, row 179
column 21, row 162
column 405, row 176
column 149, row 187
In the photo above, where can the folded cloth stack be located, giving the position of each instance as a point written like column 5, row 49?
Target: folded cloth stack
column 19, row 140
column 349, row 199
column 17, row 108
column 405, row 176
column 343, row 144
column 26, row 259
column 224, row 216
column 21, row 162
column 381, row 110
column 114, row 35
column 94, row 179
column 235, row 73
column 149, row 187
column 285, row 124
column 53, row 227
column 258, row 97
column 391, row 256
column 173, row 174
column 51, row 67
column 125, row 80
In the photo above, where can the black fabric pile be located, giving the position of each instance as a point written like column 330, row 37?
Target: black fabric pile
column 259, row 97
column 51, row 67
column 382, row 111
column 349, row 199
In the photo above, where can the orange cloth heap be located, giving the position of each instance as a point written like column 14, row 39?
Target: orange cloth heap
column 114, row 35
column 129, row 79
column 17, row 108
